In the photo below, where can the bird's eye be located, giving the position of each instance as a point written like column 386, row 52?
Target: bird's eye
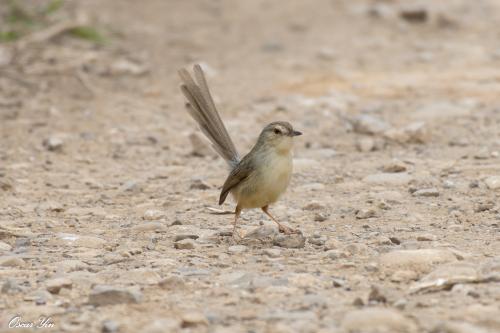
column 277, row 131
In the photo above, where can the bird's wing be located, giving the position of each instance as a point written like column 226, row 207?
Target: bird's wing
column 241, row 172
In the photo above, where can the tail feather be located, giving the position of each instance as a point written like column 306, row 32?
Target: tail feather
column 202, row 108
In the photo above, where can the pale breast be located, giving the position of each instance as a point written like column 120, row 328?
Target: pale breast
column 267, row 184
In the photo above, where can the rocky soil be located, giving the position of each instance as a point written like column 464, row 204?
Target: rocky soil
column 107, row 189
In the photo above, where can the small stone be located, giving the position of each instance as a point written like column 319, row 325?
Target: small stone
column 404, row 276
column 192, row 319
column 413, row 133
column 426, row 192
column 320, row 217
column 368, row 124
column 400, row 304
column 376, row 296
column 130, row 186
column 426, row 238
column 56, row 284
column 110, row 326
column 482, row 154
column 172, row 282
column 4, row 247
column 185, row 244
column 365, row 144
column 394, row 166
column 149, row 226
column 484, row 206
column 40, row 297
column 199, row 184
column 395, row 240
column 162, row 326
column 11, row 261
column 493, row 182
column 6, row 183
column 335, row 254
column 152, row 214
column 263, row 232
column 108, row 295
column 237, row 249
column 418, row 260
column 318, row 241
column 11, row 287
column 180, row 237
column 313, row 206
column 366, row 213
column 53, row 144
column 272, row 253
column 414, row 14
column 292, row 241
column 358, row 302
column 332, row 244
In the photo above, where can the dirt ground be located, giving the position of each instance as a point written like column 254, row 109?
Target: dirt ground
column 105, row 189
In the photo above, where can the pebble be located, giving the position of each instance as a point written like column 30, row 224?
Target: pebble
column 153, row 214
column 321, row 217
column 365, row 213
column 314, row 206
column 53, row 144
column 426, row 192
column 263, row 232
column 199, row 184
column 108, row 295
column 413, row 133
column 394, row 166
column 11, row 261
column 55, row 285
column 180, row 237
column 458, row 327
column 89, row 242
column 484, row 206
column 493, row 182
column 368, row 124
column 172, row 282
column 191, row 319
column 4, row 247
column 335, row 254
column 419, row 260
column 272, row 253
column 149, row 226
column 426, row 238
column 292, row 241
column 10, row 286
column 237, row 249
column 185, row 244
column 404, row 276
column 377, row 320
column 414, row 14
column 366, row 144
column 162, row 326
column 110, row 326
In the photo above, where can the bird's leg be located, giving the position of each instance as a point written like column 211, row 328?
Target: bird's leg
column 237, row 212
column 281, row 227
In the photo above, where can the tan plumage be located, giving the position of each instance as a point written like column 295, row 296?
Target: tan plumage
column 260, row 177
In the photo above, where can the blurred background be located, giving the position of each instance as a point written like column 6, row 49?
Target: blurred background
column 399, row 103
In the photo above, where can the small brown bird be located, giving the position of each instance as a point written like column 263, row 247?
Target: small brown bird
column 260, row 177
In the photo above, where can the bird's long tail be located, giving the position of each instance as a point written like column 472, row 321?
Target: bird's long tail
column 201, row 107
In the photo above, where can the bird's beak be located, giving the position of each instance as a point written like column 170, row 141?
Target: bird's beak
column 296, row 133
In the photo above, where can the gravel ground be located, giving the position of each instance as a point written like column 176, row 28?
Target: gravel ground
column 106, row 188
